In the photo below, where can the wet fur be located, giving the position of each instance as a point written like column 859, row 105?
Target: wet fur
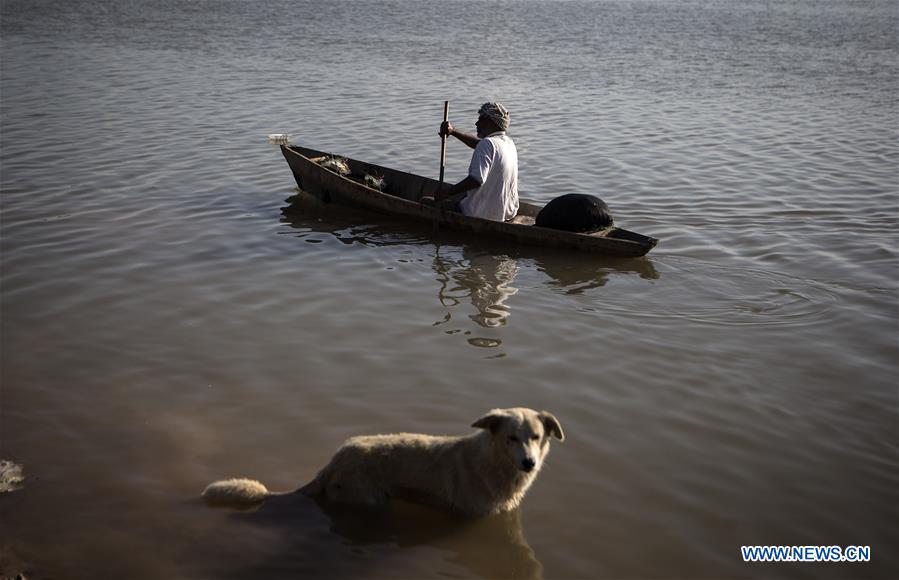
column 478, row 474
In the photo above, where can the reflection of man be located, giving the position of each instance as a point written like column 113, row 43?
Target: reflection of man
column 492, row 278
column 490, row 190
column 485, row 279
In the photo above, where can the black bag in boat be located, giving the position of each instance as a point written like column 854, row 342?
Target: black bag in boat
column 575, row 212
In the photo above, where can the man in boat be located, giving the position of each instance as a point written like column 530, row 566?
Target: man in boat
column 490, row 190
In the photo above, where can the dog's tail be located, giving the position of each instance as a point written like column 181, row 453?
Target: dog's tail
column 241, row 492
column 235, row 493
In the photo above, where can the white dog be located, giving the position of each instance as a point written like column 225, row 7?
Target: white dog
column 483, row 473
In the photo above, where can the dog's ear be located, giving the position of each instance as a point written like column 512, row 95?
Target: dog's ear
column 552, row 425
column 491, row 420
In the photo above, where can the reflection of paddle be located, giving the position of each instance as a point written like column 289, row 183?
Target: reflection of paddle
column 442, row 167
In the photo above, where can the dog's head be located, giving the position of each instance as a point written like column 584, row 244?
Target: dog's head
column 522, row 435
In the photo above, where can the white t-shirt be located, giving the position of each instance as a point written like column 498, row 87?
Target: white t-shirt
column 494, row 164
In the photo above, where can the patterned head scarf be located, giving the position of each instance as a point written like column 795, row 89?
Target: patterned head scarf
column 496, row 113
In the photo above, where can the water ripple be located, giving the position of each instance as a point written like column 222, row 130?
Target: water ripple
column 163, row 320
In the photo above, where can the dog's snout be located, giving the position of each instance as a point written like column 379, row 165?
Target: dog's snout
column 528, row 464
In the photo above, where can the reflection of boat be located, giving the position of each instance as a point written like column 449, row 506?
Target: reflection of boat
column 457, row 254
column 481, row 272
column 576, row 277
column 403, row 192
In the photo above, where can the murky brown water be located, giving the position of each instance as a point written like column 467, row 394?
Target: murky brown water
column 165, row 323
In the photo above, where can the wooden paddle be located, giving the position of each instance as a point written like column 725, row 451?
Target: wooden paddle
column 443, row 141
column 442, row 168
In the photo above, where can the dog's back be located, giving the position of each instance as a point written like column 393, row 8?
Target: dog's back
column 370, row 469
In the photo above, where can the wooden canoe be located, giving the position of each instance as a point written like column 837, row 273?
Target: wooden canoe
column 403, row 192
